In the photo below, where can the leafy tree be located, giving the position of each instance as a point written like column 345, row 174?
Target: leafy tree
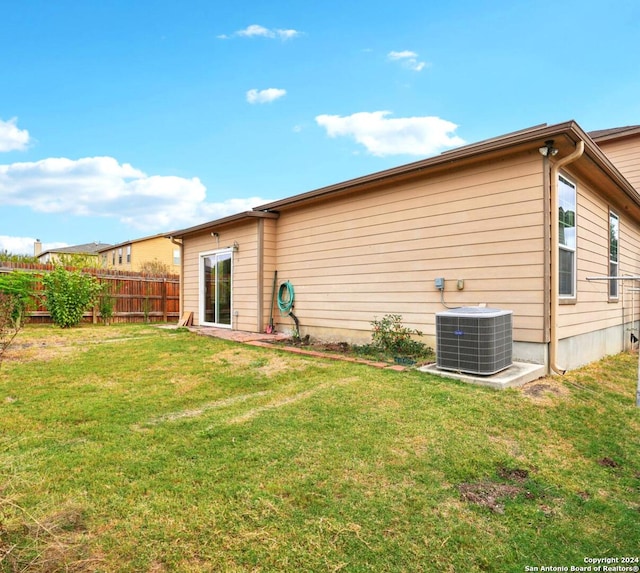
column 68, row 294
column 155, row 268
column 6, row 256
column 16, row 295
column 19, row 286
column 79, row 261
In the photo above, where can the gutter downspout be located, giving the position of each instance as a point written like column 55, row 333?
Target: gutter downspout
column 555, row 266
column 180, row 244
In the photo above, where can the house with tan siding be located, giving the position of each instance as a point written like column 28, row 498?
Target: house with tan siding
column 88, row 252
column 522, row 222
column 143, row 253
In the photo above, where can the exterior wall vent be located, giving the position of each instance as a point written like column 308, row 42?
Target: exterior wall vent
column 474, row 340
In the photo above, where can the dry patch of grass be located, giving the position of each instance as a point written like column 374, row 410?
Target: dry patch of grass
column 56, row 541
column 195, row 412
column 267, row 365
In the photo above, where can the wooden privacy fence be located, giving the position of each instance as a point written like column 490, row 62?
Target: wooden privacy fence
column 136, row 297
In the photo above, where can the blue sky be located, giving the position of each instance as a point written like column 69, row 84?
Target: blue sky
column 123, row 119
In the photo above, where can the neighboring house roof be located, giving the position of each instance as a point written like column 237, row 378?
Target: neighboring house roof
column 86, row 249
column 614, row 133
column 565, row 135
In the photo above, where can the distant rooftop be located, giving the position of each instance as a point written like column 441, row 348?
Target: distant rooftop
column 614, row 132
column 85, row 249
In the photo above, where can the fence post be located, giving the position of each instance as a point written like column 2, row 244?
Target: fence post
column 164, row 300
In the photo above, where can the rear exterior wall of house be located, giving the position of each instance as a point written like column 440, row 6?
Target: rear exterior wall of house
column 359, row 257
column 245, row 270
column 595, row 323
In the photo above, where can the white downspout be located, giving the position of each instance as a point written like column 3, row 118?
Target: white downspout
column 555, row 266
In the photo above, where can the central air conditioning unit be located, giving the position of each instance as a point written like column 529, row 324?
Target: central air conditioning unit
column 475, row 340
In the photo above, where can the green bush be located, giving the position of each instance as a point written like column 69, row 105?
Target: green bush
column 106, row 303
column 68, row 294
column 19, row 290
column 16, row 295
column 392, row 337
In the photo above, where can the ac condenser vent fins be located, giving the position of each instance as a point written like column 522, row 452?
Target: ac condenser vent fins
column 474, row 340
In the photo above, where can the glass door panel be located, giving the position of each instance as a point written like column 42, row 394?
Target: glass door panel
column 223, row 284
column 209, row 277
column 217, row 288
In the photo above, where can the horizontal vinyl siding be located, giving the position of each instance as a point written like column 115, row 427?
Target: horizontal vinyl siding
column 625, row 155
column 244, row 282
column 593, row 310
column 365, row 255
column 269, row 262
column 158, row 249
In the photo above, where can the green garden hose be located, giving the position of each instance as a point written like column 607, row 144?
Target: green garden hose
column 285, row 297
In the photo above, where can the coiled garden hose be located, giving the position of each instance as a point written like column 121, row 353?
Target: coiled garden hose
column 285, row 297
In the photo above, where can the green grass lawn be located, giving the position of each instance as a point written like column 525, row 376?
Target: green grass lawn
column 134, row 448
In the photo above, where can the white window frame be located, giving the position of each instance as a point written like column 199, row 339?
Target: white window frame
column 563, row 179
column 614, row 287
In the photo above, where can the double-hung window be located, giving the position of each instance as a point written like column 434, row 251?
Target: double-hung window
column 567, row 200
column 614, row 253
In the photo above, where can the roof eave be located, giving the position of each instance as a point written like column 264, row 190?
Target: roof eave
column 532, row 137
column 535, row 134
column 224, row 221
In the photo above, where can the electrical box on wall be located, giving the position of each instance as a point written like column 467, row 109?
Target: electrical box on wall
column 439, row 283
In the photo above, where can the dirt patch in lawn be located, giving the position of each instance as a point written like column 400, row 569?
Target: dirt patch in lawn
column 492, row 494
column 489, row 494
column 544, row 390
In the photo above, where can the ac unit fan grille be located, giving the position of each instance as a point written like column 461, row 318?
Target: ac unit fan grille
column 477, row 343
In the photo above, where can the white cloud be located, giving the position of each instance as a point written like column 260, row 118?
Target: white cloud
column 102, row 187
column 24, row 245
column 408, row 59
column 257, row 31
column 11, row 137
column 265, row 96
column 384, row 136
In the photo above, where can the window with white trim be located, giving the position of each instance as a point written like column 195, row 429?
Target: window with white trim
column 567, row 200
column 614, row 253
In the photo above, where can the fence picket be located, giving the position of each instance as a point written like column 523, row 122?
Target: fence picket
column 138, row 297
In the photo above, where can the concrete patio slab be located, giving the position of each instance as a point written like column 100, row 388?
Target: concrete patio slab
column 238, row 335
column 517, row 374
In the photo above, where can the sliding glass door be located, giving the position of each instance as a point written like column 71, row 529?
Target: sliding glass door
column 216, row 288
